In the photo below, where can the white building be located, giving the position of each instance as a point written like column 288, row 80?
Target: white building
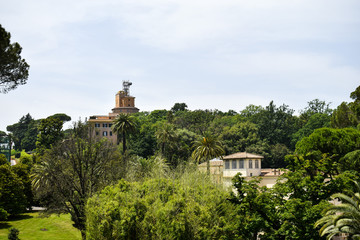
column 248, row 164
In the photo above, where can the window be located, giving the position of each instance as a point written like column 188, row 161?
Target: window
column 110, row 133
column 97, row 133
column 104, row 133
column 250, row 163
column 97, row 125
column 256, row 163
column 227, row 164
column 233, row 165
column 241, row 163
column 105, row 125
column 110, row 124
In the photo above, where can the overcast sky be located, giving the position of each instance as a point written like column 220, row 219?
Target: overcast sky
column 208, row 54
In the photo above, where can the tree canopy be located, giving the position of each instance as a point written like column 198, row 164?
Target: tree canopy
column 187, row 207
column 14, row 70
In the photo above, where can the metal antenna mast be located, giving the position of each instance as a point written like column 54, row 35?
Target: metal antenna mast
column 126, row 87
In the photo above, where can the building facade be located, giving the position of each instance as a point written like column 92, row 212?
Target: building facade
column 124, row 103
column 248, row 164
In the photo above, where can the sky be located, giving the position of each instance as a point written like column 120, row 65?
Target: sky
column 208, row 54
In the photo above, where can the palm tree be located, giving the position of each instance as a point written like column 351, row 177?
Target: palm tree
column 343, row 217
column 124, row 124
column 206, row 148
column 165, row 135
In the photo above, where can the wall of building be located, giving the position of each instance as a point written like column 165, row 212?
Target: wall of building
column 253, row 169
column 220, row 174
column 102, row 128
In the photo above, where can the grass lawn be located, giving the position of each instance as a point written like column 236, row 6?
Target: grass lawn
column 35, row 227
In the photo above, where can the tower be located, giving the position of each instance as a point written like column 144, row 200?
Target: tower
column 124, row 103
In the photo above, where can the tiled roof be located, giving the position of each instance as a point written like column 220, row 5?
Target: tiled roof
column 240, row 155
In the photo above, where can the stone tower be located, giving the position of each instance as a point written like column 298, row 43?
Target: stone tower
column 124, row 103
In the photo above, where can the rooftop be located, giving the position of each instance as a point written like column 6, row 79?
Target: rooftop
column 240, row 155
column 213, row 162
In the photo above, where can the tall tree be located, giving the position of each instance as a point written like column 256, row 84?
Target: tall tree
column 348, row 114
column 49, row 133
column 20, row 129
column 165, row 135
column 143, row 141
column 206, row 148
column 250, row 112
column 14, row 71
column 239, row 136
column 179, row 107
column 276, row 124
column 28, row 143
column 61, row 116
column 315, row 106
column 124, row 124
column 197, row 121
column 72, row 171
column 315, row 121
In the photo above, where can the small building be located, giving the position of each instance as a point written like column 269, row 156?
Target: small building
column 248, row 164
column 124, row 103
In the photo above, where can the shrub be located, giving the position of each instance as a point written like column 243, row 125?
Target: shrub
column 13, row 234
column 3, row 160
column 190, row 207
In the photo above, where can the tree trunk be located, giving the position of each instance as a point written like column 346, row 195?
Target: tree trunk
column 208, row 167
column 124, row 142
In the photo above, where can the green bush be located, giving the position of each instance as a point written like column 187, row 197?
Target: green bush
column 190, row 207
column 3, row 160
column 12, row 197
column 14, row 152
column 3, row 214
column 26, row 159
column 13, row 234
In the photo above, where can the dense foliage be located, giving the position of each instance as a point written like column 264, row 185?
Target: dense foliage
column 14, row 70
column 13, row 190
column 348, row 114
column 188, row 207
column 27, row 132
column 270, row 131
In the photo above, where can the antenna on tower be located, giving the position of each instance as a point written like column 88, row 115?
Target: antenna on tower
column 126, row 87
